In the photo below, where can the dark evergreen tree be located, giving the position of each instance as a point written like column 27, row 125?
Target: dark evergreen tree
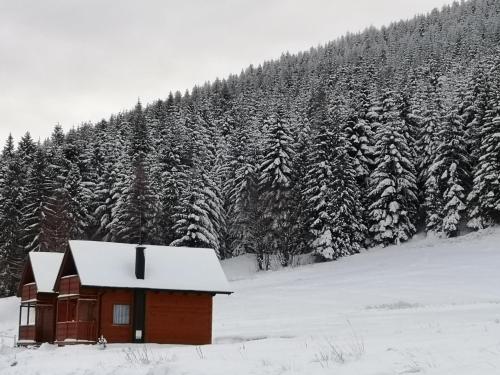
column 332, row 193
column 393, row 182
column 112, row 173
column 194, row 225
column 174, row 181
column 359, row 138
column 275, row 187
column 12, row 194
column 76, row 204
column 484, row 199
column 37, row 194
column 450, row 176
column 200, row 214
column 242, row 195
column 135, row 212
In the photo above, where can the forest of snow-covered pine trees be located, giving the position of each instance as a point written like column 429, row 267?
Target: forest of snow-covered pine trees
column 363, row 141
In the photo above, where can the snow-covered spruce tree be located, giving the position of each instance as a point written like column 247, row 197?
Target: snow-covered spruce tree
column 242, row 195
column 359, row 138
column 192, row 226
column 240, row 188
column 197, row 211
column 214, row 183
column 26, row 153
column 199, row 217
column 89, row 161
column 114, row 208
column 360, row 144
column 393, row 183
column 91, row 166
column 374, row 112
column 57, row 136
column 274, row 188
column 213, row 156
column 430, row 107
column 173, row 180
column 63, row 213
column 473, row 108
column 301, row 128
column 108, row 186
column 484, row 199
column 211, row 153
column 12, row 191
column 331, row 192
column 135, row 212
column 8, row 284
column 412, row 124
column 433, row 203
column 55, row 225
column 455, row 203
column 169, row 169
column 449, row 177
column 38, row 191
column 76, row 204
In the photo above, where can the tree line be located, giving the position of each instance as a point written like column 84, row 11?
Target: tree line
column 361, row 142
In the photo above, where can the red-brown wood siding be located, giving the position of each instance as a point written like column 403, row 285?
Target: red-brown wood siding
column 27, row 277
column 27, row 333
column 65, row 331
column 88, row 291
column 43, row 329
column 76, row 311
column 177, row 318
column 69, row 285
column 115, row 333
column 47, row 298
column 45, row 317
column 29, row 292
column 78, row 330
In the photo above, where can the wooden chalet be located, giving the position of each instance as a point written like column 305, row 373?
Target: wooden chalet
column 37, row 312
column 129, row 293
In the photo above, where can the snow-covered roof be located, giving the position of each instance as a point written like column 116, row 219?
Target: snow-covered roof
column 45, row 267
column 109, row 264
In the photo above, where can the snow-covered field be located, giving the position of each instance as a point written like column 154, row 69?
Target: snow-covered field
column 428, row 307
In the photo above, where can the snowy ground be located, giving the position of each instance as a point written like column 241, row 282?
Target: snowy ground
column 428, row 307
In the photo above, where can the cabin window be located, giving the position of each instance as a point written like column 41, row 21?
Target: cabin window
column 31, row 315
column 121, row 314
column 28, row 315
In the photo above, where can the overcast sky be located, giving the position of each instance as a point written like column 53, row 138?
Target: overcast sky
column 73, row 61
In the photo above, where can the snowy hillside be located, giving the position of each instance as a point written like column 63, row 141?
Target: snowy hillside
column 429, row 307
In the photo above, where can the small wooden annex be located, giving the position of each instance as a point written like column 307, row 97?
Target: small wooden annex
column 37, row 312
column 130, row 293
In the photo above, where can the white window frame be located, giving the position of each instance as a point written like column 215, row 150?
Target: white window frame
column 28, row 315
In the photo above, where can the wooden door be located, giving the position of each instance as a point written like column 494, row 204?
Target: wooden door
column 45, row 323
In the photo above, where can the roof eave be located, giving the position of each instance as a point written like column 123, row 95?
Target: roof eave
column 158, row 289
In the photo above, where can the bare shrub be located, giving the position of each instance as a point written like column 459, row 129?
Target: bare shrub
column 329, row 352
column 143, row 355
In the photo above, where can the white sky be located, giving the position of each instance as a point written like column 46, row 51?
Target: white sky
column 72, row 61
